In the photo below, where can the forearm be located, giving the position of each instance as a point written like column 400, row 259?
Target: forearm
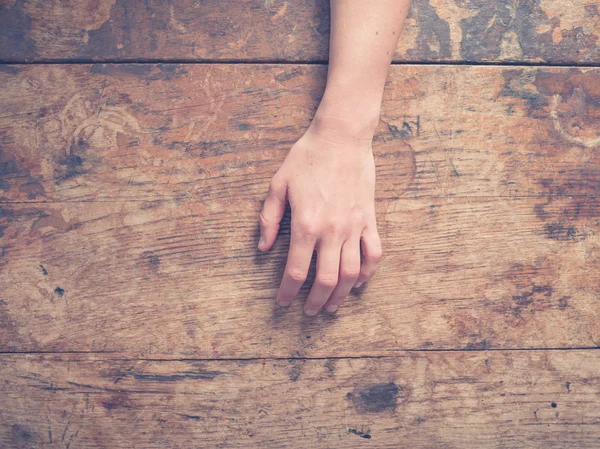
column 364, row 35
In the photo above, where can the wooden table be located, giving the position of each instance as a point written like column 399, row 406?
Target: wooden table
column 137, row 141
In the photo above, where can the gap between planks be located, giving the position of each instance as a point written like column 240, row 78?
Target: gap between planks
column 116, row 355
column 590, row 65
column 424, row 197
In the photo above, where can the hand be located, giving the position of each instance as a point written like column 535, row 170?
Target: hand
column 328, row 178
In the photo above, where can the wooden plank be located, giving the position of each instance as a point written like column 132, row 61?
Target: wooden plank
column 551, row 31
column 214, row 132
column 417, row 400
column 184, row 278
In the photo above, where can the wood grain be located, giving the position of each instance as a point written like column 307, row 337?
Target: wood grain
column 550, row 31
column 218, row 132
column 184, row 278
column 129, row 197
column 418, row 400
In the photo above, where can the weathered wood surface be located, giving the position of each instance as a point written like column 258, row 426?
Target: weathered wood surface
column 174, row 278
column 213, row 133
column 128, row 204
column 551, row 31
column 417, row 400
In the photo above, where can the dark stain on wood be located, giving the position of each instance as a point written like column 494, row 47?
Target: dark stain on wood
column 330, row 368
column 10, row 170
column 150, row 261
column 574, row 109
column 15, row 25
column 114, row 37
column 72, row 161
column 433, row 41
column 572, row 219
column 321, row 16
column 187, row 375
column 377, row 398
column 6, row 322
column 190, row 417
column 140, row 70
column 360, row 433
column 504, row 31
column 287, row 75
column 53, row 388
column 147, row 72
column 556, row 43
column 478, row 345
column 526, row 299
column 558, row 231
column 32, row 189
column 482, row 33
column 59, row 291
column 566, row 82
column 22, row 436
column 517, row 85
column 54, row 220
column 27, row 213
column 563, row 302
column 10, row 69
column 119, row 400
column 295, row 369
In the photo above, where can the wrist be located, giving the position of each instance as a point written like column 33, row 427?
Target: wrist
column 337, row 117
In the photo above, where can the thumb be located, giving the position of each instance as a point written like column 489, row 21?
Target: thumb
column 272, row 213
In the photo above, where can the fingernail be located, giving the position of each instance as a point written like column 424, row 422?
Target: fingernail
column 358, row 284
column 311, row 312
column 331, row 308
column 283, row 303
column 261, row 242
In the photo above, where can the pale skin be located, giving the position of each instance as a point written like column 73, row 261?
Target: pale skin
column 328, row 177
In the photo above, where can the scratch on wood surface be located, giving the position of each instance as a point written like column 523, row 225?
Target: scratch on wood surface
column 175, row 24
column 279, row 13
column 80, row 122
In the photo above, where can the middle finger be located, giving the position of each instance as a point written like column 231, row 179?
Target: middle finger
column 328, row 265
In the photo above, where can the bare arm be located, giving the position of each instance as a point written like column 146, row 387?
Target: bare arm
column 364, row 35
column 328, row 176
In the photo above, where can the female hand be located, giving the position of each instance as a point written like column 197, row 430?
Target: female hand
column 328, row 178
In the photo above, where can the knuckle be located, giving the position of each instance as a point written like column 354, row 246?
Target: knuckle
column 263, row 220
column 308, row 227
column 296, row 275
column 333, row 226
column 336, row 226
column 351, row 272
column 358, row 216
column 376, row 255
column 327, row 280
